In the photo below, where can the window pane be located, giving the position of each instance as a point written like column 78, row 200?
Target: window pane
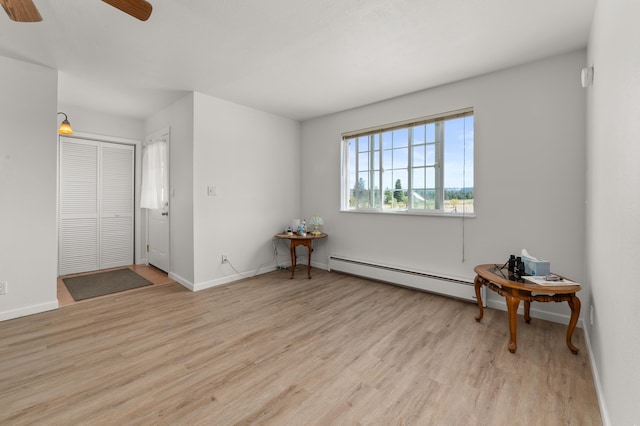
column 363, row 143
column 387, row 159
column 430, row 195
column 430, row 177
column 401, row 158
column 423, row 199
column 418, row 156
column 363, row 180
column 363, row 199
column 418, row 178
column 396, row 196
column 351, row 172
column 363, row 161
column 387, row 140
column 376, row 201
column 430, row 132
column 361, row 190
column 458, row 165
column 387, row 181
column 400, row 138
column 430, row 158
column 403, row 177
column 376, row 141
column 418, row 200
column 418, row 134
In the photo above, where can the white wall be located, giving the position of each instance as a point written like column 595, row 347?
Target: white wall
column 179, row 117
column 529, row 178
column 253, row 160
column 28, row 172
column 613, row 225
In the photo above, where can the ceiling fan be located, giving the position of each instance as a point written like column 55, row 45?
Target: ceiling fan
column 26, row 11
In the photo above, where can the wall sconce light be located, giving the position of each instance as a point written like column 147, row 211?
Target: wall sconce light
column 65, row 127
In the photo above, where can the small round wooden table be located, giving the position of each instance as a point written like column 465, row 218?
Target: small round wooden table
column 499, row 280
column 299, row 240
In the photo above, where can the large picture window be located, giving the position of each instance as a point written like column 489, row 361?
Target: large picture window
column 418, row 166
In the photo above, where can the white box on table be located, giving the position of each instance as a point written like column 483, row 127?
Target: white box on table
column 536, row 267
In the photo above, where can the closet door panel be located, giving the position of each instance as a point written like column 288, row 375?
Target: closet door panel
column 116, row 245
column 78, row 245
column 116, row 216
column 78, row 230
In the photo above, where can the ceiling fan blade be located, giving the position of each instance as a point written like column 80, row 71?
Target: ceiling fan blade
column 139, row 9
column 21, row 10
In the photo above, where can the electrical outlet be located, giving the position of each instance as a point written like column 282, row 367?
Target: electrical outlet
column 224, row 258
column 3, row 287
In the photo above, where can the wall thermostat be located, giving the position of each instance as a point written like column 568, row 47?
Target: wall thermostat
column 586, row 76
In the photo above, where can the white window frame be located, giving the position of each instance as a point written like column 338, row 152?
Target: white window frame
column 375, row 169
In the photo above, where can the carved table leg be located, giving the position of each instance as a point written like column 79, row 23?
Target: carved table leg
column 293, row 258
column 478, row 285
column 527, row 308
column 512, row 308
column 574, row 304
column 309, row 261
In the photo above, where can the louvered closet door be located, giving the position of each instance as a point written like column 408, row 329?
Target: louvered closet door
column 116, row 214
column 78, row 231
column 96, row 205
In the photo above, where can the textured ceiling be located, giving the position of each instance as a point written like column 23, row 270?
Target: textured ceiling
column 295, row 58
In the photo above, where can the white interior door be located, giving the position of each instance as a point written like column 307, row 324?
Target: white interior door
column 159, row 238
column 96, row 205
column 158, row 244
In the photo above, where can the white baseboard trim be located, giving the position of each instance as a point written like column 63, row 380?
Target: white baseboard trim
column 535, row 313
column 29, row 310
column 219, row 281
column 604, row 414
column 183, row 282
column 324, row 266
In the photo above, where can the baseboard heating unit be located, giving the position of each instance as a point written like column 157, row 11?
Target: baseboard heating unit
column 459, row 288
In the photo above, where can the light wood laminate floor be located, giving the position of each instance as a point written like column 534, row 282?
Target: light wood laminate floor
column 334, row 349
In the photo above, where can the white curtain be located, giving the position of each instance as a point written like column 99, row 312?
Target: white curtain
column 155, row 176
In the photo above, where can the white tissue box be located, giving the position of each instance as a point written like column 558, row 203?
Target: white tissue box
column 536, row 267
